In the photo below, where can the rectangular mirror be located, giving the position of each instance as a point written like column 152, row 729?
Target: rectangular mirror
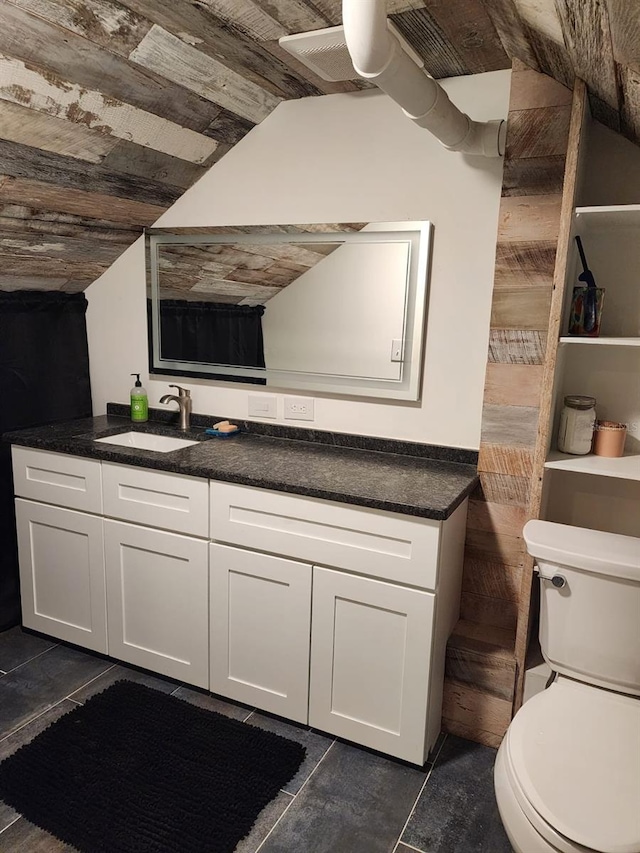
column 337, row 308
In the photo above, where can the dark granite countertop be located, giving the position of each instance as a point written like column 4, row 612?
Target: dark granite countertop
column 415, row 485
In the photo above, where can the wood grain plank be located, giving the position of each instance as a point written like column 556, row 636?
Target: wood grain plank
column 503, row 459
column 283, row 17
column 542, row 16
column 511, row 426
column 529, row 218
column 542, row 132
column 20, row 161
column 531, row 90
column 525, row 264
column 513, row 384
column 421, row 30
column 228, row 128
column 165, row 54
column 64, row 248
column 20, row 282
column 587, row 34
column 504, row 489
column 552, row 58
column 624, row 23
column 515, row 346
column 493, row 675
column 110, row 25
column 27, row 220
column 477, row 710
column 458, row 729
column 200, row 28
column 522, row 308
column 127, row 158
column 67, row 200
column 497, row 517
column 493, row 579
column 630, row 81
column 26, row 85
column 484, row 639
column 487, row 610
column 533, row 176
column 29, row 127
column 511, row 31
column 19, row 265
column 71, row 57
column 492, row 547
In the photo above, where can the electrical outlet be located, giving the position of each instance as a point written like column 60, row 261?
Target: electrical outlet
column 262, row 406
column 396, row 349
column 299, row 408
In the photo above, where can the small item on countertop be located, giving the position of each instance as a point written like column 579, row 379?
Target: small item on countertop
column 609, row 438
column 139, row 402
column 577, row 420
column 223, row 429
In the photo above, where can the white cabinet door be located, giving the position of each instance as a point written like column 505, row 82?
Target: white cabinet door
column 260, row 625
column 62, row 573
column 157, row 601
column 370, row 661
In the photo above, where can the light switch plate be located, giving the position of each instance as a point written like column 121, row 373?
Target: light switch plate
column 299, row 408
column 263, row 406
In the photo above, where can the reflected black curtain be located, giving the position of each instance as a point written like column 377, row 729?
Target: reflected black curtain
column 44, row 377
column 212, row 332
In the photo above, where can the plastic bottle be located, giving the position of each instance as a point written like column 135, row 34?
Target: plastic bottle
column 139, row 402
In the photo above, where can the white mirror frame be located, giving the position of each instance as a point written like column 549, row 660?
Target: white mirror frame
column 419, row 237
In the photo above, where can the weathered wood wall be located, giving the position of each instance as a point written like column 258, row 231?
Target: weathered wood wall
column 485, row 659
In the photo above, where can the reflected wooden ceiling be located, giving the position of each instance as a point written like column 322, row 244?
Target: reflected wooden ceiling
column 110, row 110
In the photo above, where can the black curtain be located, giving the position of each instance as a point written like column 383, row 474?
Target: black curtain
column 212, row 332
column 44, row 378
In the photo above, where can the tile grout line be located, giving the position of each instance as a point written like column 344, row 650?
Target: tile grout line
column 15, row 820
column 294, row 797
column 35, row 657
column 409, row 847
column 87, row 683
column 413, row 808
column 33, row 719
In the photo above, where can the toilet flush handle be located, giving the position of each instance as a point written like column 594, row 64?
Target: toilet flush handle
column 559, row 581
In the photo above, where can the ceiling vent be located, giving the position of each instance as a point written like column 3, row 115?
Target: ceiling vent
column 325, row 52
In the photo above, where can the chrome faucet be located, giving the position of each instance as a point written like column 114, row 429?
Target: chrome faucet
column 183, row 399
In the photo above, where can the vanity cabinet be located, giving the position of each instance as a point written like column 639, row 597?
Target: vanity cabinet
column 321, row 612
column 62, row 578
column 157, row 600
column 371, row 646
column 260, row 610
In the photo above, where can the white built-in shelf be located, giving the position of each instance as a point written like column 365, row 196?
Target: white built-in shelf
column 608, row 215
column 606, row 342
column 624, row 468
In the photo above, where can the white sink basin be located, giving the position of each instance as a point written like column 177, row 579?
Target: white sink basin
column 147, row 441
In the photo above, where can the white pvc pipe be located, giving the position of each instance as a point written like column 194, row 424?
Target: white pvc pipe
column 377, row 56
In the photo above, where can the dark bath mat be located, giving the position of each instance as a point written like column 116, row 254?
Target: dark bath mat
column 136, row 771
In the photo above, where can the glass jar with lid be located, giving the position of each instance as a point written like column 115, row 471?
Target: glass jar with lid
column 577, row 422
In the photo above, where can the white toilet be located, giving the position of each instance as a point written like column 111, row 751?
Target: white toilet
column 567, row 774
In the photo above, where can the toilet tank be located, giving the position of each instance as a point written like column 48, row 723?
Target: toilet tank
column 590, row 625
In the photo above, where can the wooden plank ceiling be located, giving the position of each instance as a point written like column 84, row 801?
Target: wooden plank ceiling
column 111, row 109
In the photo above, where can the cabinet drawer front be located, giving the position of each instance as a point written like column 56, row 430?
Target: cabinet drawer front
column 260, row 625
column 370, row 662
column 169, row 501
column 157, row 601
column 57, row 478
column 62, row 580
column 366, row 541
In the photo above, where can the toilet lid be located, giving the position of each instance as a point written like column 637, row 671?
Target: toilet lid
column 575, row 750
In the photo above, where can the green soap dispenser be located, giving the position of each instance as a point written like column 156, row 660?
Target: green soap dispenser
column 139, row 402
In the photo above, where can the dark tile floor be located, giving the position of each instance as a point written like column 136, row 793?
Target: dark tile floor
column 343, row 799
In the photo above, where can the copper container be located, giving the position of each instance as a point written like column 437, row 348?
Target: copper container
column 609, row 438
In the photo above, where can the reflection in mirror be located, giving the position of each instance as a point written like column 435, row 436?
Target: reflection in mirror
column 320, row 307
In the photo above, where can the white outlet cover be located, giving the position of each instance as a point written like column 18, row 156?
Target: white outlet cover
column 263, row 406
column 299, row 408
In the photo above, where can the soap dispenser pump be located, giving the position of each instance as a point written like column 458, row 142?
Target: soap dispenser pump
column 139, row 402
